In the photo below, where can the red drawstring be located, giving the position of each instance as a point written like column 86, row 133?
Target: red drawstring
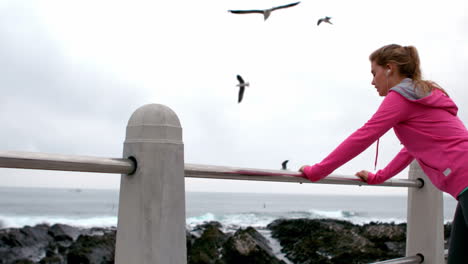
column 376, row 154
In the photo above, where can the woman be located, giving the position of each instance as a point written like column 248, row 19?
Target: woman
column 425, row 121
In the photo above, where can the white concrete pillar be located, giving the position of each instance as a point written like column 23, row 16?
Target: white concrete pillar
column 151, row 223
column 425, row 225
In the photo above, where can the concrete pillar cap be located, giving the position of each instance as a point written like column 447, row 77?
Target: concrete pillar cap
column 154, row 122
column 154, row 114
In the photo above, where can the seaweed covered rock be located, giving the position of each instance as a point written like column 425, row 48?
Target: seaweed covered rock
column 213, row 246
column 207, row 249
column 56, row 259
column 93, row 249
column 190, row 240
column 329, row 241
column 248, row 246
column 23, row 261
column 384, row 231
column 389, row 237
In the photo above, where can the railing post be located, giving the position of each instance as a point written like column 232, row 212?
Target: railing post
column 151, row 218
column 425, row 233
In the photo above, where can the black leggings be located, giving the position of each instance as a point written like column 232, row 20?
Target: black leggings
column 458, row 251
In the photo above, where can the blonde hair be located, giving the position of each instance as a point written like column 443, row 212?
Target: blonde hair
column 407, row 60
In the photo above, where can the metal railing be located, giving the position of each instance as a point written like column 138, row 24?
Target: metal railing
column 250, row 174
column 45, row 161
column 151, row 218
column 406, row 260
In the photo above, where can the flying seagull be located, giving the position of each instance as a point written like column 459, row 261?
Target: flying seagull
column 242, row 86
column 266, row 12
column 325, row 19
column 283, row 165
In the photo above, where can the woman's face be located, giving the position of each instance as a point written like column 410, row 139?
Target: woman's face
column 380, row 79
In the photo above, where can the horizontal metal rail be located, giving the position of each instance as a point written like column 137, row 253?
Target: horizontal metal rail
column 233, row 173
column 43, row 161
column 406, row 260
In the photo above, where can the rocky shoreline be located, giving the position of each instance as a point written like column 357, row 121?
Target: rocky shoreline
column 301, row 241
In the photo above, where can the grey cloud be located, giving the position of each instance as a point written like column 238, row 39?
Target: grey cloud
column 42, row 90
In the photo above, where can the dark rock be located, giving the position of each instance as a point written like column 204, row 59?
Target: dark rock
column 199, row 229
column 98, row 231
column 54, row 254
column 57, row 259
column 64, row 232
column 9, row 238
column 21, row 244
column 399, row 248
column 92, row 249
column 23, row 261
column 248, row 246
column 57, row 245
column 190, row 240
column 208, row 247
column 303, row 241
column 25, row 237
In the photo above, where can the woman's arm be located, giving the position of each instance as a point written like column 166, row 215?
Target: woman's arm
column 401, row 161
column 394, row 109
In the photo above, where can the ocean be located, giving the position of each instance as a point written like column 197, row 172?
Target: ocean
column 98, row 208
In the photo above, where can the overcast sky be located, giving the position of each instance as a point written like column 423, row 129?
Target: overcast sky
column 73, row 72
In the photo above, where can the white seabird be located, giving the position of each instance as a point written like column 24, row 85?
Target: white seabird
column 325, row 19
column 266, row 12
column 242, row 86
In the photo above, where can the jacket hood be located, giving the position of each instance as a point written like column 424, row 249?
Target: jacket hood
column 436, row 98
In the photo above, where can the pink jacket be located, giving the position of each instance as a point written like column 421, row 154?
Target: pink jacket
column 428, row 128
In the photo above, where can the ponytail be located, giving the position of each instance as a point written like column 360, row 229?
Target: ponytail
column 407, row 60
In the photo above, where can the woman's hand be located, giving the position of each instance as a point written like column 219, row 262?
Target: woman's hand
column 363, row 175
column 302, row 168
